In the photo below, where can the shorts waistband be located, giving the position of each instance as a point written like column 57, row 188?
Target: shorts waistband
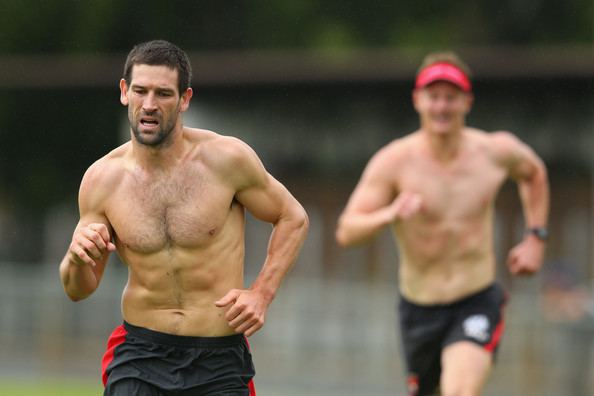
column 462, row 300
column 184, row 341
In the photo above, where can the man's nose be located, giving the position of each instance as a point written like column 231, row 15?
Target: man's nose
column 441, row 104
column 149, row 103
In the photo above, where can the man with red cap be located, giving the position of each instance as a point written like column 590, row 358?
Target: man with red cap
column 435, row 188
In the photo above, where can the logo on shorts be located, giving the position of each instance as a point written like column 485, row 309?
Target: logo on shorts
column 477, row 327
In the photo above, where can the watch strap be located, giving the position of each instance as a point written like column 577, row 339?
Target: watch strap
column 540, row 232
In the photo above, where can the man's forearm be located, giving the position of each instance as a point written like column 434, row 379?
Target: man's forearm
column 354, row 229
column 285, row 243
column 534, row 194
column 79, row 281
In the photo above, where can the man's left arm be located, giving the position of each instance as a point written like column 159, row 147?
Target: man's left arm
column 268, row 200
column 530, row 173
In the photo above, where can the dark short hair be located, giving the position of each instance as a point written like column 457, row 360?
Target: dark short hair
column 160, row 53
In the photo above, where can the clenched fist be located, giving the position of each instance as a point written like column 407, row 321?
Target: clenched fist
column 90, row 243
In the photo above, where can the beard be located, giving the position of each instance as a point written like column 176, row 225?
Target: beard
column 159, row 138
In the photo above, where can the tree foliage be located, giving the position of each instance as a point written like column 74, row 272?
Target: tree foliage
column 64, row 26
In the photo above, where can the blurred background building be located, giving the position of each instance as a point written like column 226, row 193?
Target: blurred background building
column 315, row 88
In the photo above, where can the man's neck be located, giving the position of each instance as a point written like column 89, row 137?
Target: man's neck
column 444, row 147
column 162, row 156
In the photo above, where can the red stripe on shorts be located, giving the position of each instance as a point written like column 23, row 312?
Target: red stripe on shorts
column 117, row 337
column 251, row 385
column 252, row 388
column 496, row 335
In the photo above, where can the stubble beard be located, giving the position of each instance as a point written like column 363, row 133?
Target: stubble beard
column 159, row 139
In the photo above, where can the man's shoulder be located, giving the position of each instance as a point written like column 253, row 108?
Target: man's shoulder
column 113, row 158
column 491, row 137
column 399, row 147
column 214, row 141
column 393, row 156
column 197, row 135
column 501, row 146
column 221, row 152
column 108, row 169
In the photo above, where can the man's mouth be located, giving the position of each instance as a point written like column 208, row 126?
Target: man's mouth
column 441, row 118
column 149, row 122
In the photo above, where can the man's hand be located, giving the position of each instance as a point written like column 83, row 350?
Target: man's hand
column 90, row 243
column 406, row 205
column 526, row 257
column 246, row 311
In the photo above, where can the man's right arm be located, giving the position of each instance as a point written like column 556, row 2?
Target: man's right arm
column 82, row 267
column 359, row 226
column 374, row 204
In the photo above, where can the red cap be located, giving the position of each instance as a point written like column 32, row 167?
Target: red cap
column 443, row 72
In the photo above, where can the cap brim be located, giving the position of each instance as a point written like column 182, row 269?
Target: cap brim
column 443, row 72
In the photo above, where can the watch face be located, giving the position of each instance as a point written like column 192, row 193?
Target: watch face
column 540, row 233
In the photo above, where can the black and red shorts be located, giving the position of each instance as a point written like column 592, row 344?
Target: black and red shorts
column 427, row 329
column 143, row 362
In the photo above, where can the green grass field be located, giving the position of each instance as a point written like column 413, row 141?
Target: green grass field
column 49, row 388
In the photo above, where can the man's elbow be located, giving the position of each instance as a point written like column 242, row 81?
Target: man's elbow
column 349, row 235
column 76, row 294
column 304, row 221
column 540, row 173
column 538, row 180
column 342, row 237
column 75, row 298
column 544, row 174
column 295, row 220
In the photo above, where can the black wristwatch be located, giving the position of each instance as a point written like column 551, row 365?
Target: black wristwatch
column 539, row 232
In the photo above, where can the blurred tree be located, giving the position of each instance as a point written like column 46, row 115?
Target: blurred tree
column 31, row 26
column 47, row 136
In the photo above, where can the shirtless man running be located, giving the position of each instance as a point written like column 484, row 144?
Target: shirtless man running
column 171, row 202
column 435, row 189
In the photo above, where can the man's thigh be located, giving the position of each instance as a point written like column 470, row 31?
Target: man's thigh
column 465, row 368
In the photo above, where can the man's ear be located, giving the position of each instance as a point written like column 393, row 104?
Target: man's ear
column 415, row 98
column 123, row 92
column 469, row 102
column 185, row 100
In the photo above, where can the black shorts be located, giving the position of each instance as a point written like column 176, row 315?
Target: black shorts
column 427, row 329
column 144, row 362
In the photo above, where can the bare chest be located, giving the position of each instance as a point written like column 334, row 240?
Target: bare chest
column 188, row 209
column 463, row 191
